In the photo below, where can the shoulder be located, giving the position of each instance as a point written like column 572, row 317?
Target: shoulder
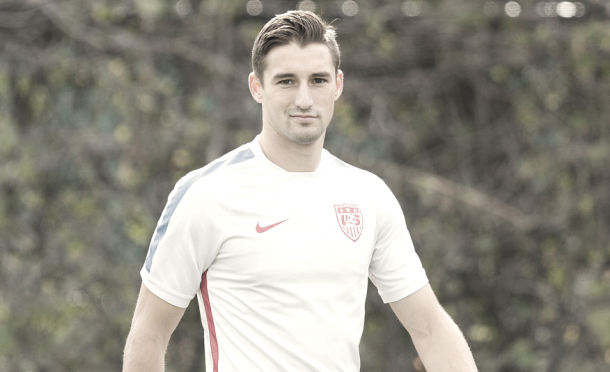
column 366, row 185
column 227, row 165
column 219, row 174
column 355, row 174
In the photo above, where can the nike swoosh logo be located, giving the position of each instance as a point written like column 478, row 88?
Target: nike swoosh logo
column 261, row 229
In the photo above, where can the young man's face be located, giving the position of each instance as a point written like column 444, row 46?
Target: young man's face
column 298, row 93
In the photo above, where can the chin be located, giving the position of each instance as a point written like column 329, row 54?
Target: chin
column 306, row 138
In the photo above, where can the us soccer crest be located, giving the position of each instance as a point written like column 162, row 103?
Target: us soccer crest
column 350, row 220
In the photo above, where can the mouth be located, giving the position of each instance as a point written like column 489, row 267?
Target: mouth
column 304, row 117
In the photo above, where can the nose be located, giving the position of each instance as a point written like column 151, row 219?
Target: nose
column 303, row 99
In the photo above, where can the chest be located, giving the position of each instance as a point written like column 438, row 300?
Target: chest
column 286, row 232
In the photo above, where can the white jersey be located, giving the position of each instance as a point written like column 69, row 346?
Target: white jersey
column 279, row 260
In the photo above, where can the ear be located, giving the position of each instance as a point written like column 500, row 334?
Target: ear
column 256, row 87
column 339, row 84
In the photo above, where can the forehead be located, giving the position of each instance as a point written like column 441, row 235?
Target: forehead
column 294, row 59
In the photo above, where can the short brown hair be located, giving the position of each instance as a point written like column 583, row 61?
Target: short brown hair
column 298, row 26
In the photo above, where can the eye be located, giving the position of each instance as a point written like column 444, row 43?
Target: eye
column 319, row 80
column 285, row 82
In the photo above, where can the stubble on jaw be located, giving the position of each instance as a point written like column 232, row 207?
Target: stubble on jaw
column 305, row 136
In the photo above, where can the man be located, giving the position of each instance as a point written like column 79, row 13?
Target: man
column 278, row 238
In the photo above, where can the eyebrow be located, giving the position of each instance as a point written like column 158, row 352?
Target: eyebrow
column 291, row 75
column 321, row 75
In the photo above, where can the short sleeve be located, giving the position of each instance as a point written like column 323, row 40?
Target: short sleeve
column 395, row 268
column 186, row 241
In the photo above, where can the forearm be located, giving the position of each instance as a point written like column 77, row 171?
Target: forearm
column 444, row 348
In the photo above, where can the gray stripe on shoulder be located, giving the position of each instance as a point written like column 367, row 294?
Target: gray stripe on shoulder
column 242, row 156
column 179, row 194
column 340, row 162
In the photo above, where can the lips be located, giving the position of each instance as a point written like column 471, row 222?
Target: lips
column 304, row 117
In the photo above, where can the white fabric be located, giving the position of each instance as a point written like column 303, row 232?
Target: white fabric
column 292, row 297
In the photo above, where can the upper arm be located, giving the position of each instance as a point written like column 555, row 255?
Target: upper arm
column 438, row 340
column 155, row 318
column 419, row 312
column 395, row 268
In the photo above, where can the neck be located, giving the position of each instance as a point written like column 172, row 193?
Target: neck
column 291, row 156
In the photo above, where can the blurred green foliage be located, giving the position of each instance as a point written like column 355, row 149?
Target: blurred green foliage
column 492, row 131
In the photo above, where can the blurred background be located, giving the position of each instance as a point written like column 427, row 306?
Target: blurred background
column 490, row 120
